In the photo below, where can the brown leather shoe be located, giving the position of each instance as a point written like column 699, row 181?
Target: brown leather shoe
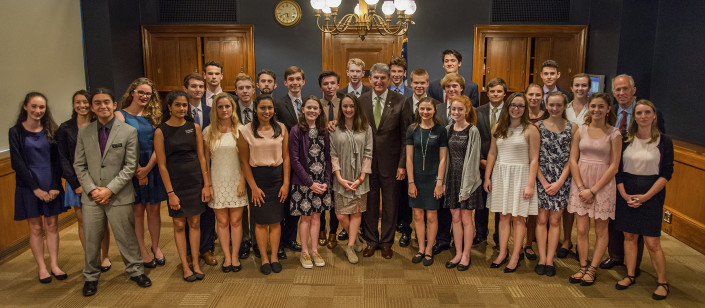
column 209, row 258
column 387, row 252
column 332, row 241
column 322, row 238
column 369, row 251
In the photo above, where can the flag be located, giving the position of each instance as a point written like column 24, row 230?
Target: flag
column 403, row 54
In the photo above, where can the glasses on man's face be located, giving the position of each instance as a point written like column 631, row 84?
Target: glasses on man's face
column 143, row 93
column 517, row 106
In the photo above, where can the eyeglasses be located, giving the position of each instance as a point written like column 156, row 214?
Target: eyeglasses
column 517, row 106
column 142, row 93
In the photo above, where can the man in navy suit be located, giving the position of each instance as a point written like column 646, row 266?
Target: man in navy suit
column 397, row 71
column 287, row 110
column 213, row 76
column 355, row 71
column 550, row 72
column 194, row 86
column 452, row 60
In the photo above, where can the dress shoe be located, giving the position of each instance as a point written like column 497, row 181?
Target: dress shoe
column 244, row 254
column 281, row 254
column 438, row 248
column 400, row 227
column 45, row 280
column 661, row 297
column 497, row 265
column 404, row 240
column 332, row 241
column 90, row 288
column 369, row 251
column 610, row 263
column 550, row 271
column 226, row 268
column 427, row 260
column 530, row 254
column 106, row 268
column 418, row 257
column 540, row 269
column 160, row 261
column 343, row 235
column 387, row 252
column 142, row 280
column 511, row 270
column 463, row 267
column 322, row 241
column 562, row 252
column 276, row 267
column 265, row 269
column 293, row 246
column 235, row 268
column 60, row 277
column 209, row 258
column 255, row 250
column 478, row 240
column 632, row 280
column 150, row 264
column 191, row 278
column 450, row 264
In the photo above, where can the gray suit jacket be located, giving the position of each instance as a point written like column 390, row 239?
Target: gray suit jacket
column 114, row 169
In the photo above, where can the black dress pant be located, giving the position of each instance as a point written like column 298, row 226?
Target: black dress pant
column 208, row 235
column 615, row 247
column 445, row 221
column 289, row 226
column 405, row 216
column 388, row 189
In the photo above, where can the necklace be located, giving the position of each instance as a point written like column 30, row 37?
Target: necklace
column 424, row 148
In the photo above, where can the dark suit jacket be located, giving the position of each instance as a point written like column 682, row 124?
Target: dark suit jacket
column 285, row 113
column 344, row 91
column 239, row 111
column 483, row 125
column 660, row 122
column 206, row 113
column 408, row 91
column 567, row 94
column 203, row 98
column 66, row 140
column 410, row 102
column 389, row 138
column 436, row 91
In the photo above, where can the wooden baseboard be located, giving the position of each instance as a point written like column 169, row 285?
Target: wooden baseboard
column 684, row 228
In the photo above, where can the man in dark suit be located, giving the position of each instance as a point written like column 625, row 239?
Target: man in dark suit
column 194, row 86
column 487, row 118
column 550, row 72
column 106, row 160
column 389, row 118
column 397, row 70
column 329, row 82
column 452, row 60
column 355, row 72
column 623, row 90
column 287, row 110
column 213, row 76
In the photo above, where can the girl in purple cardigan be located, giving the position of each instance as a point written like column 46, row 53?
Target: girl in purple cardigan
column 309, row 150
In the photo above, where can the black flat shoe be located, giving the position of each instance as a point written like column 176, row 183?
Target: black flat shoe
column 463, row 267
column 632, row 280
column 276, row 267
column 531, row 256
column 161, row 261
column 450, row 264
column 428, row 260
column 104, row 269
column 343, row 235
column 540, row 269
column 45, row 280
column 497, row 265
column 562, row 252
column 511, row 270
column 226, row 268
column 236, row 268
column 281, row 254
column 191, row 278
column 255, row 250
column 550, row 271
column 199, row 276
column 60, row 277
column 265, row 269
column 150, row 264
column 418, row 257
column 661, row 297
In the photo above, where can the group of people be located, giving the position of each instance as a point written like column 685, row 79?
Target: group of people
column 255, row 172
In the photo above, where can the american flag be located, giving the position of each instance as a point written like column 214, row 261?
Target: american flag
column 403, row 54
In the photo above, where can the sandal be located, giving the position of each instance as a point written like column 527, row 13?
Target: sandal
column 575, row 279
column 530, row 255
column 418, row 257
column 592, row 273
column 660, row 297
column 632, row 280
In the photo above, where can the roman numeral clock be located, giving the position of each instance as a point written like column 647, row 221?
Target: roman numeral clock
column 287, row 13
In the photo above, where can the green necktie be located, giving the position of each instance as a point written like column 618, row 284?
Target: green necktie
column 378, row 111
column 493, row 119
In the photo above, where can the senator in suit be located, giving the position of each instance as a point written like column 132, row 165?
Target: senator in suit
column 390, row 117
column 105, row 162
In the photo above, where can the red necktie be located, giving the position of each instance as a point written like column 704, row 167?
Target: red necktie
column 623, row 123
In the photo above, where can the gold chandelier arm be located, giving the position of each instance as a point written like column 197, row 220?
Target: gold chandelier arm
column 379, row 23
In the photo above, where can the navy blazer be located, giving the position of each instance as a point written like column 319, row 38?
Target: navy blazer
column 408, row 91
column 436, row 91
column 483, row 125
column 285, row 113
column 66, row 137
column 298, row 156
column 19, row 163
column 206, row 114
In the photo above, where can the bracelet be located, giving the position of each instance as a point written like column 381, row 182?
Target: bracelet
column 590, row 189
column 411, row 182
column 169, row 192
column 439, row 180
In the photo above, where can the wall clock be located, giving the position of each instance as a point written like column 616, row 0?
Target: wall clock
column 287, row 13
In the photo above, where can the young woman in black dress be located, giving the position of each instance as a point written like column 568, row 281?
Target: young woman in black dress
column 34, row 156
column 178, row 143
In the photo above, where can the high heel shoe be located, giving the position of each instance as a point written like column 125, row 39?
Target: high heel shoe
column 161, row 261
column 512, row 270
column 150, row 264
column 497, row 265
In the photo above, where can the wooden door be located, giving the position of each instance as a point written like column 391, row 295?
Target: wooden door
column 506, row 59
column 337, row 49
column 170, row 59
column 231, row 52
column 562, row 49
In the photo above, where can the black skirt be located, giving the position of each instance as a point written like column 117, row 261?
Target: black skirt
column 645, row 219
column 269, row 180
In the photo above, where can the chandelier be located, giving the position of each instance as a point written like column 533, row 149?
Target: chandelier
column 364, row 19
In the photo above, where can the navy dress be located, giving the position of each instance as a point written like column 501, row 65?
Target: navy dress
column 153, row 192
column 37, row 159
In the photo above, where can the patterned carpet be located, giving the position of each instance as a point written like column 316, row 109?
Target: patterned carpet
column 374, row 282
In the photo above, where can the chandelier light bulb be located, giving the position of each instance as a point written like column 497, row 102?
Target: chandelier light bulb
column 388, row 7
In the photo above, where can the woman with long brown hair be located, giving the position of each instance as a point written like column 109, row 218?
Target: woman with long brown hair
column 141, row 109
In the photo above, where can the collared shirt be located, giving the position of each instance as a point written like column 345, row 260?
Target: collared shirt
column 199, row 112
column 546, row 91
column 383, row 100
column 108, row 125
column 579, row 118
column 416, row 102
column 326, row 107
column 242, row 111
column 357, row 91
column 293, row 103
column 499, row 111
column 209, row 96
column 400, row 88
column 629, row 113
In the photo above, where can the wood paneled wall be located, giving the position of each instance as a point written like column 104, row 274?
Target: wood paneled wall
column 14, row 235
column 684, row 211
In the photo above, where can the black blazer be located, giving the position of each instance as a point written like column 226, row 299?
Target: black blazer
column 203, row 98
column 285, row 113
column 389, row 150
column 66, row 140
column 665, row 166
column 344, row 91
column 19, row 163
column 436, row 91
column 483, row 125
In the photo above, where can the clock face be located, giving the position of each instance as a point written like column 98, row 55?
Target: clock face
column 287, row 13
